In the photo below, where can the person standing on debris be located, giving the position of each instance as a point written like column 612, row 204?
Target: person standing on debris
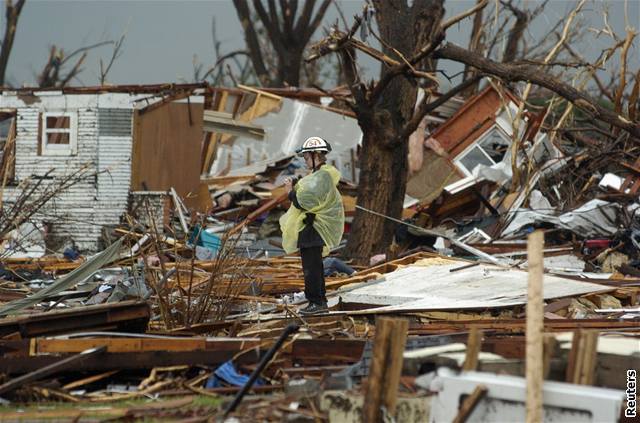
column 315, row 221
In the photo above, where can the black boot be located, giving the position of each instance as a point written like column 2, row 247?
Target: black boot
column 313, row 308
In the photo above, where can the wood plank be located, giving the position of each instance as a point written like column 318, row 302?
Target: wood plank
column 128, row 361
column 88, row 380
column 371, row 410
column 474, row 343
column 535, row 316
column 385, row 370
column 327, row 351
column 393, row 368
column 519, row 326
column 127, row 316
column 470, row 404
column 123, row 345
column 587, row 375
column 550, row 347
column 59, row 365
column 256, row 213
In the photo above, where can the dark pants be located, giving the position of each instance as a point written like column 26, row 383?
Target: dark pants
column 313, row 269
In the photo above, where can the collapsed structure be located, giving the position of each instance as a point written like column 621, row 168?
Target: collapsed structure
column 193, row 293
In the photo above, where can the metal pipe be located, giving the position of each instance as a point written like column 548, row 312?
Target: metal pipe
column 292, row 328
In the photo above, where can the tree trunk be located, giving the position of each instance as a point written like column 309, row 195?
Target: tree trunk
column 383, row 161
column 383, row 179
column 12, row 13
column 289, row 68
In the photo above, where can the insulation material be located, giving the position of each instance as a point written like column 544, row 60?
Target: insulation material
column 436, row 287
column 416, row 147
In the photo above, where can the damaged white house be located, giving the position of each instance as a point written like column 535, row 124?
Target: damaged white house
column 126, row 138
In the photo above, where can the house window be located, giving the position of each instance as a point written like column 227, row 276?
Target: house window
column 59, row 133
column 489, row 150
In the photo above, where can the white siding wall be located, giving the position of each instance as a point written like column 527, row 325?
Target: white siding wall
column 78, row 213
column 114, row 162
column 71, row 212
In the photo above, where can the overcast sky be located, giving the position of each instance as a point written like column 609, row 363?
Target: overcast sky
column 164, row 36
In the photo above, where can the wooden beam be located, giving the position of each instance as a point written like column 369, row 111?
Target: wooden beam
column 470, row 404
column 255, row 214
column 535, row 313
column 550, row 347
column 583, row 357
column 134, row 344
column 58, row 366
column 386, row 367
column 128, row 361
column 125, row 316
column 474, row 343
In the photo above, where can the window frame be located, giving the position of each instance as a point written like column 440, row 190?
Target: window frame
column 476, row 144
column 69, row 149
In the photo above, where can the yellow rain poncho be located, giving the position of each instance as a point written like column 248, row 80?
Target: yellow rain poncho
column 317, row 193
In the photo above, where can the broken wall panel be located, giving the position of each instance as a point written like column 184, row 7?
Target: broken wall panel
column 99, row 123
column 124, row 316
column 167, row 148
column 431, row 285
column 285, row 129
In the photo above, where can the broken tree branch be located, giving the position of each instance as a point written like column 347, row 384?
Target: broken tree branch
column 426, row 107
column 516, row 72
column 251, row 38
column 623, row 70
column 454, row 20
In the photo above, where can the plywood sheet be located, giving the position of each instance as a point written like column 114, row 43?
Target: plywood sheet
column 167, row 144
column 434, row 287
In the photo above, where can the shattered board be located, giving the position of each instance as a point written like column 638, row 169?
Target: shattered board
column 434, row 287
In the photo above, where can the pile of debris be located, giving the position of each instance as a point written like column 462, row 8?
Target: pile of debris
column 189, row 314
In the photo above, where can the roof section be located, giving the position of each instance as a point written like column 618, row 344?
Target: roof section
column 134, row 89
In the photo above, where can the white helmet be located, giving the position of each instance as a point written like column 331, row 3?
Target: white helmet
column 314, row 144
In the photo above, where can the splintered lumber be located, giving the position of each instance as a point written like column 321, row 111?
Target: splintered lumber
column 259, row 211
column 535, row 316
column 550, row 347
column 386, row 367
column 129, row 361
column 88, row 380
column 582, row 357
column 519, row 325
column 470, row 404
column 125, row 316
column 327, row 351
column 135, row 344
column 58, row 366
column 473, row 350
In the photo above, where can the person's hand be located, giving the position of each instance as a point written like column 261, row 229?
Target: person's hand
column 288, row 184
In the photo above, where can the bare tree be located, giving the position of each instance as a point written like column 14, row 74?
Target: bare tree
column 385, row 109
column 53, row 74
column 12, row 13
column 117, row 51
column 287, row 32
